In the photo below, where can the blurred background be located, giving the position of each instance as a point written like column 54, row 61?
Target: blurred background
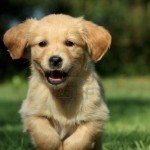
column 128, row 22
column 125, row 69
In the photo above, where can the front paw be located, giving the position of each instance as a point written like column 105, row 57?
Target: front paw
column 67, row 145
column 46, row 142
column 77, row 145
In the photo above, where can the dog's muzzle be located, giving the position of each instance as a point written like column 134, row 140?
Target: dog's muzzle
column 55, row 75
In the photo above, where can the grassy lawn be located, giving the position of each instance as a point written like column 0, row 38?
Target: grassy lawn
column 127, row 129
column 129, row 103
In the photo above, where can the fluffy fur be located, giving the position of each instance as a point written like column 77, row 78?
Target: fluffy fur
column 68, row 115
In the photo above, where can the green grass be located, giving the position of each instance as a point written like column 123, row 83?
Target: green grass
column 129, row 125
column 127, row 129
column 11, row 135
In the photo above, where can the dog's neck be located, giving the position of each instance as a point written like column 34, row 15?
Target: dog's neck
column 69, row 92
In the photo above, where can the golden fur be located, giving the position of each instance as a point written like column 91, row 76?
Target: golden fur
column 70, row 115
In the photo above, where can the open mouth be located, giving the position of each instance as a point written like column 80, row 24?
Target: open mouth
column 56, row 77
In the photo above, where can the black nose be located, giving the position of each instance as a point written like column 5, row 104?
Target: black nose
column 55, row 61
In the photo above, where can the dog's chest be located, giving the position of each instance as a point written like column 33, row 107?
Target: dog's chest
column 64, row 116
column 64, row 130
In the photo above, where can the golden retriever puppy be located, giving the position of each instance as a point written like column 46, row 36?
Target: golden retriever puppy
column 64, row 108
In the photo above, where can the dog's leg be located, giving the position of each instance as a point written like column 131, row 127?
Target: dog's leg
column 43, row 135
column 83, row 138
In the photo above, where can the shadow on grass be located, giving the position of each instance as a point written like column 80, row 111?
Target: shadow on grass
column 129, row 119
column 9, row 112
column 15, row 140
column 11, row 135
column 128, row 107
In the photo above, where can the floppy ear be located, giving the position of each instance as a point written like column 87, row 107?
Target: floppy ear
column 15, row 39
column 97, row 38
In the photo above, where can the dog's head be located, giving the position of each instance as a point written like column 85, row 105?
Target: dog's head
column 60, row 45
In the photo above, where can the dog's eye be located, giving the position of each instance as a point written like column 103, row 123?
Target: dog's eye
column 69, row 43
column 43, row 44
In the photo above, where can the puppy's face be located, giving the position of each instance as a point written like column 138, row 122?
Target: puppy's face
column 60, row 45
column 57, row 48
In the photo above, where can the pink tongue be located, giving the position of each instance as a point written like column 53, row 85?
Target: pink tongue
column 56, row 79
